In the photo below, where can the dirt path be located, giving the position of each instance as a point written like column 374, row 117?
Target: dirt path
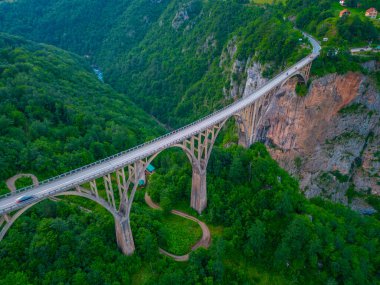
column 11, row 182
column 203, row 242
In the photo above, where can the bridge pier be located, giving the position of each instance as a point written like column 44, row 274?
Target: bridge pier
column 124, row 237
column 198, row 200
column 198, row 149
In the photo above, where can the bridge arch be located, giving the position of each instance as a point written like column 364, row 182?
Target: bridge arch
column 99, row 201
column 301, row 78
column 198, row 149
column 191, row 156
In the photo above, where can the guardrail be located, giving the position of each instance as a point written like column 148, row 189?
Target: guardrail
column 307, row 60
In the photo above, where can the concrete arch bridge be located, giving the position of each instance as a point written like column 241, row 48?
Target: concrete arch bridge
column 128, row 167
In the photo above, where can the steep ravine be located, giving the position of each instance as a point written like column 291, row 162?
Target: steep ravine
column 329, row 139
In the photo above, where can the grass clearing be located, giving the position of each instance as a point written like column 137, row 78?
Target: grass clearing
column 23, row 182
column 336, row 7
column 181, row 234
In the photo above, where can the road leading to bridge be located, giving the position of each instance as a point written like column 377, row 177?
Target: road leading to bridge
column 100, row 168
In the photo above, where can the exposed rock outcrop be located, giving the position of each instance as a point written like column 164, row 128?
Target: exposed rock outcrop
column 180, row 18
column 245, row 76
column 330, row 137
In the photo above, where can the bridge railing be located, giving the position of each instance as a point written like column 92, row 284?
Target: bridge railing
column 148, row 142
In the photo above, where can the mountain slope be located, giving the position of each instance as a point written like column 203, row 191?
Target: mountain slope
column 56, row 115
column 168, row 56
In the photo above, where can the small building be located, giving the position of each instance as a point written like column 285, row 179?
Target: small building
column 371, row 13
column 342, row 3
column 150, row 169
column 344, row 12
column 325, row 39
column 141, row 183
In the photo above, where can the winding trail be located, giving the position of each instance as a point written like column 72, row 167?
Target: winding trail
column 203, row 242
column 11, row 182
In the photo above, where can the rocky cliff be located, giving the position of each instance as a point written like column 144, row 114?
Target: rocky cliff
column 329, row 139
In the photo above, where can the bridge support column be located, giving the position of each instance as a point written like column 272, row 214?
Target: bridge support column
column 124, row 236
column 198, row 149
column 127, row 189
column 198, row 200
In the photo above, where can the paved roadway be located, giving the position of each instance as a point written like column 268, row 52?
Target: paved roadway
column 100, row 168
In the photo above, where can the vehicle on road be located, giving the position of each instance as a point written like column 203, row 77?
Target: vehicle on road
column 23, row 199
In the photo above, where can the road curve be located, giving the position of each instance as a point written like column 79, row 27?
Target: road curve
column 100, row 168
column 11, row 182
column 203, row 242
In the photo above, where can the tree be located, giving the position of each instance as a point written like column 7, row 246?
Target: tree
column 256, row 239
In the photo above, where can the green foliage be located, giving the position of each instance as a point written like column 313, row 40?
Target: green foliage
column 353, row 108
column 180, row 234
column 341, row 177
column 301, row 90
column 322, row 18
column 56, row 115
column 268, row 227
column 23, row 182
column 335, row 60
column 171, row 57
column 272, row 39
column 64, row 246
column 354, row 28
column 268, row 221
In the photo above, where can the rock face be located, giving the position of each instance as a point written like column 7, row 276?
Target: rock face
column 254, row 78
column 329, row 139
column 244, row 76
column 180, row 18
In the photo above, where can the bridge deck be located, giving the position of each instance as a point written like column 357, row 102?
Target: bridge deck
column 100, row 168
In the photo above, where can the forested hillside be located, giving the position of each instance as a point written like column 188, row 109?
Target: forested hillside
column 55, row 115
column 180, row 59
column 264, row 232
column 270, row 224
column 174, row 58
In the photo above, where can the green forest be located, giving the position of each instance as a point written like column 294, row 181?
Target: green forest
column 165, row 55
column 55, row 115
column 174, row 59
column 167, row 63
column 264, row 232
